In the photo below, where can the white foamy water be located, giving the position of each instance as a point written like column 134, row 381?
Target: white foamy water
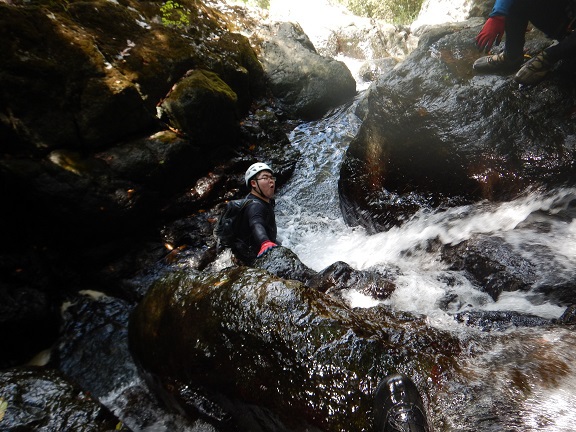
column 310, row 224
column 519, row 379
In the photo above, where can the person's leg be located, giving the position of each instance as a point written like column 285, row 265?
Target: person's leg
column 564, row 49
column 511, row 58
column 516, row 25
column 552, row 17
column 554, row 22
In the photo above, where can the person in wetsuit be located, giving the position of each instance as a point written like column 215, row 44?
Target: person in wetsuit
column 555, row 18
column 257, row 225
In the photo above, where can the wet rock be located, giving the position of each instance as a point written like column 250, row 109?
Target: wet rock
column 93, row 346
column 43, row 399
column 493, row 264
column 307, row 84
column 336, row 279
column 500, row 320
column 557, row 289
column 340, row 277
column 205, row 108
column 250, row 351
column 437, row 135
column 569, row 316
column 285, row 264
column 191, row 240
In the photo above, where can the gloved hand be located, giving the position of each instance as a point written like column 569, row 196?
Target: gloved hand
column 266, row 246
column 491, row 33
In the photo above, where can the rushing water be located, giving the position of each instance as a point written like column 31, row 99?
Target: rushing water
column 518, row 380
column 311, row 225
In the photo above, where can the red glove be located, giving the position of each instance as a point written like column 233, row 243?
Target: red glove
column 491, row 33
column 267, row 245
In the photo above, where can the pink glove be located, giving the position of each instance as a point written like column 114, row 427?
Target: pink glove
column 491, row 33
column 267, row 245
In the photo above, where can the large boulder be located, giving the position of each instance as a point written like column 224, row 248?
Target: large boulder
column 307, row 84
column 435, row 134
column 205, row 108
column 253, row 352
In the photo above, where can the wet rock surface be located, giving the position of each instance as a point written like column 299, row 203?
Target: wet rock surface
column 265, row 354
column 38, row 399
column 437, row 135
column 103, row 196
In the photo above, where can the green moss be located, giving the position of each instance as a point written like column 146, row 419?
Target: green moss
column 394, row 11
column 209, row 81
column 175, row 15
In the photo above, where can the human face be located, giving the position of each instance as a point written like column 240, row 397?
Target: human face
column 265, row 184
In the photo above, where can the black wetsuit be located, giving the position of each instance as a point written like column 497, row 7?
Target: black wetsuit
column 552, row 17
column 257, row 224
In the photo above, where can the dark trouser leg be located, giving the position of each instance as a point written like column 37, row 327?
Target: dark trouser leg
column 549, row 16
column 566, row 48
column 516, row 24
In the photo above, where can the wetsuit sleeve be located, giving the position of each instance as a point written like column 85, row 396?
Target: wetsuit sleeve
column 256, row 214
column 501, row 7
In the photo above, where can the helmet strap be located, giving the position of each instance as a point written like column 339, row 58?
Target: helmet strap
column 259, row 190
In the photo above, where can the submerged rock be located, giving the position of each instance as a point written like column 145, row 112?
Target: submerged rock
column 340, row 277
column 500, row 320
column 492, row 263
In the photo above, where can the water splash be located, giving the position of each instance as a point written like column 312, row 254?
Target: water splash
column 310, row 224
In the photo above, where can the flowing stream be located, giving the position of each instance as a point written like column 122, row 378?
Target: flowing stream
column 310, row 224
column 518, row 379
column 521, row 379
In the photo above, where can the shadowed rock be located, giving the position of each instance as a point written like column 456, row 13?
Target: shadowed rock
column 250, row 351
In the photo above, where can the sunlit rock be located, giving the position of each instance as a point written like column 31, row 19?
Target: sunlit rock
column 435, row 134
column 306, row 84
column 205, row 108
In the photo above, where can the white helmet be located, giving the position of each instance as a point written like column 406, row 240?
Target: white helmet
column 255, row 169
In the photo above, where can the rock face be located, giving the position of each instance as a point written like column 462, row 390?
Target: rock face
column 38, row 399
column 79, row 91
column 306, row 84
column 112, row 114
column 436, row 135
column 205, row 108
column 253, row 352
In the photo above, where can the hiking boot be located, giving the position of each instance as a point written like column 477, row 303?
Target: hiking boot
column 534, row 70
column 398, row 406
column 496, row 63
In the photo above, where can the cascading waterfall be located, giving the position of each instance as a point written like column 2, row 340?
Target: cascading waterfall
column 311, row 225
